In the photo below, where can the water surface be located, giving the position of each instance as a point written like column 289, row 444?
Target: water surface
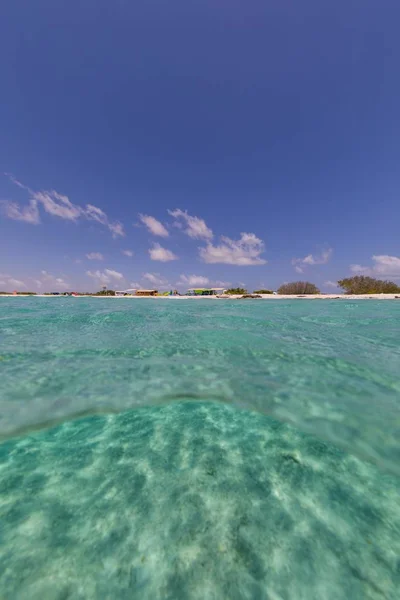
column 331, row 368
column 246, row 450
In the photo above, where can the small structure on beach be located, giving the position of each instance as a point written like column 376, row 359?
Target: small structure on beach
column 130, row 292
column 205, row 291
column 146, row 292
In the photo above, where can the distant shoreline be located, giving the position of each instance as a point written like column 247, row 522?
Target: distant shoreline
column 231, row 297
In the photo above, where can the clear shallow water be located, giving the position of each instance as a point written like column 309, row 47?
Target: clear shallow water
column 193, row 501
column 331, row 368
column 199, row 499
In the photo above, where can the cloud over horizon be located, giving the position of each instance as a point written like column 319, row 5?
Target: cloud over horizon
column 311, row 259
column 156, row 279
column 193, row 280
column 105, row 276
column 55, row 282
column 383, row 266
column 243, row 252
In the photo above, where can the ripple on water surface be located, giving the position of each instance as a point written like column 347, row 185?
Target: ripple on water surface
column 197, row 501
column 331, row 368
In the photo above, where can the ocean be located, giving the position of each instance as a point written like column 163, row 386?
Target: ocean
column 199, row 449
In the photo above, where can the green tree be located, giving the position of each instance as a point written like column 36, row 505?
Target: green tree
column 361, row 284
column 263, row 292
column 105, row 292
column 298, row 287
column 236, row 291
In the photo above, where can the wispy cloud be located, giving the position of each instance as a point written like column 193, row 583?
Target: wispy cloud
column 28, row 214
column 311, row 259
column 8, row 281
column 194, row 227
column 16, row 282
column 94, row 213
column 243, row 252
column 199, row 281
column 95, row 256
column 105, row 276
column 114, row 274
column 157, row 252
column 383, row 265
column 53, row 281
column 193, row 280
column 127, row 253
column 155, row 227
column 332, row 284
column 57, row 205
column 156, row 279
column 224, row 284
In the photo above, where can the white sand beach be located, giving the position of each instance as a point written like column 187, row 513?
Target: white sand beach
column 228, row 297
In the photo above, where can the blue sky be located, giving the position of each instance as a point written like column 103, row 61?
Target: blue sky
column 185, row 142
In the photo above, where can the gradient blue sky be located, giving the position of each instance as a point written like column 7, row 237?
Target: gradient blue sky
column 275, row 123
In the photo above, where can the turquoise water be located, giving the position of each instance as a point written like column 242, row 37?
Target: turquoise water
column 261, row 459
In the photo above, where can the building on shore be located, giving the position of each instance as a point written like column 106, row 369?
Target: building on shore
column 130, row 292
column 146, row 292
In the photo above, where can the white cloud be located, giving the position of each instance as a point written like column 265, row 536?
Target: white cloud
column 16, row 182
column 383, row 266
column 117, row 229
column 37, row 282
column 28, row 214
column 193, row 280
column 127, row 252
column 200, row 281
column 332, row 284
column 161, row 254
column 311, row 259
column 99, row 275
column 195, row 227
column 156, row 279
column 9, row 281
column 154, row 226
column 225, row 284
column 105, row 276
column 243, row 252
column 57, row 205
column 114, row 274
column 135, row 286
column 95, row 256
column 55, row 282
column 94, row 213
column 16, row 282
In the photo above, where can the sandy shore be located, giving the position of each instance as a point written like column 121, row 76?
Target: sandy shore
column 233, row 297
